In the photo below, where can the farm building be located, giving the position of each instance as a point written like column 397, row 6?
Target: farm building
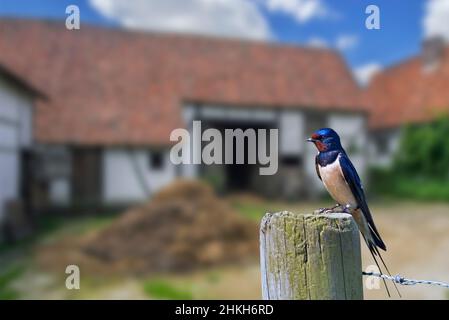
column 17, row 99
column 114, row 97
column 412, row 92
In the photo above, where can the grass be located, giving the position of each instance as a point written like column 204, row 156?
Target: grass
column 198, row 285
column 161, row 289
column 50, row 228
column 53, row 226
column 216, row 283
column 388, row 184
column 255, row 210
column 424, row 190
column 250, row 210
column 6, row 279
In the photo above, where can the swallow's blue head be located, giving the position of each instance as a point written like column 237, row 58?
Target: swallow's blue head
column 325, row 139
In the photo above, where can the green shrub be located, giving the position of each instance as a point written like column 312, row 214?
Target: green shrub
column 420, row 169
column 424, row 150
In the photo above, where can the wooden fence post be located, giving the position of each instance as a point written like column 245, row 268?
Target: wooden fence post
column 310, row 256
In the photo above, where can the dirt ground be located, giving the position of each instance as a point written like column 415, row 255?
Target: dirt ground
column 417, row 238
column 416, row 234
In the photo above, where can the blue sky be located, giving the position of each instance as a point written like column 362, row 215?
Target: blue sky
column 339, row 24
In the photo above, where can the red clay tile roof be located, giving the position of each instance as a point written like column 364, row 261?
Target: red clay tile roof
column 107, row 86
column 407, row 93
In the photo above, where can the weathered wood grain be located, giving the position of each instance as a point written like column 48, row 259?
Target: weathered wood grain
column 310, row 256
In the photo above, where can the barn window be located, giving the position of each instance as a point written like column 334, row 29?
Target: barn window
column 156, row 160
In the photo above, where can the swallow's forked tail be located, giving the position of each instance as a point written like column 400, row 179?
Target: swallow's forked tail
column 374, row 242
column 375, row 252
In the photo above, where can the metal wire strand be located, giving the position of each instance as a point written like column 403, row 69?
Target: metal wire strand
column 404, row 281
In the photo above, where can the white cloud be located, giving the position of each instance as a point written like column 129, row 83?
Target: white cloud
column 301, row 10
column 228, row 18
column 316, row 42
column 365, row 73
column 346, row 42
column 436, row 19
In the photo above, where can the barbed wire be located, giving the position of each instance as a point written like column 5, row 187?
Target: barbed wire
column 405, row 281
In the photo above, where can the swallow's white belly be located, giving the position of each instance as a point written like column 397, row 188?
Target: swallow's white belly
column 335, row 183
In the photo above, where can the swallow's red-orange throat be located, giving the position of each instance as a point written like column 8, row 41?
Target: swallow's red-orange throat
column 316, row 139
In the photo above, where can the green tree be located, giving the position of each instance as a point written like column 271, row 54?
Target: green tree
column 420, row 169
column 424, row 150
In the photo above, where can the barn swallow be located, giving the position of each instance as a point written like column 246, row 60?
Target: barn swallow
column 341, row 180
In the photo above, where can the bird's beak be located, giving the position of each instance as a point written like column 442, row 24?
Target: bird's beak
column 310, row 140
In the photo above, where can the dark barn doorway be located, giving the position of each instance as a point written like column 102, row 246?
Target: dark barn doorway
column 236, row 177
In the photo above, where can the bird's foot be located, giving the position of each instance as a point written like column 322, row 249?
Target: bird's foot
column 328, row 210
column 349, row 209
column 320, row 210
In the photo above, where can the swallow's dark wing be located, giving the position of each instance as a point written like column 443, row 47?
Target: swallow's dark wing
column 316, row 168
column 353, row 180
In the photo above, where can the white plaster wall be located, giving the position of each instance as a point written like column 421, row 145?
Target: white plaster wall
column 9, row 136
column 15, row 132
column 384, row 158
column 394, row 142
column 212, row 112
column 10, row 101
column 9, row 178
column 189, row 171
column 26, row 124
column 292, row 133
column 120, row 183
column 16, row 108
